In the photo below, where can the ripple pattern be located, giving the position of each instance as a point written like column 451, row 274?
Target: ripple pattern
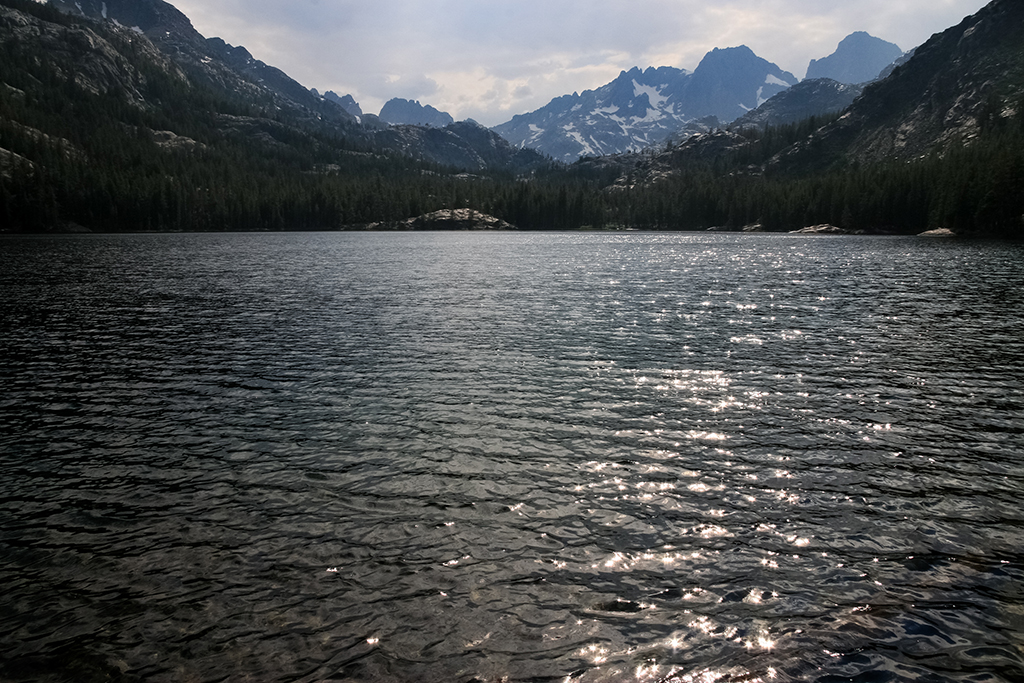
column 524, row 457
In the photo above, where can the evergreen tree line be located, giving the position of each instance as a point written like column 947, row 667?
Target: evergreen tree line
column 970, row 190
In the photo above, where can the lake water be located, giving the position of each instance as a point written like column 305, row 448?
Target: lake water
column 440, row 457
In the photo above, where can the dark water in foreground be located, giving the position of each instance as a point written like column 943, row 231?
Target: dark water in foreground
column 455, row 457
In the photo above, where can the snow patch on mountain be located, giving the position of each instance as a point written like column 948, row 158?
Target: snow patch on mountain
column 654, row 95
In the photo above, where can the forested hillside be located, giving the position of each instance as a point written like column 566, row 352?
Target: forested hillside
column 101, row 130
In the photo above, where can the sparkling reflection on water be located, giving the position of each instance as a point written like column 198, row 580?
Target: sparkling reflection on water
column 457, row 457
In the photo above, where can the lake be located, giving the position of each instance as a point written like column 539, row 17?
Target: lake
column 577, row 457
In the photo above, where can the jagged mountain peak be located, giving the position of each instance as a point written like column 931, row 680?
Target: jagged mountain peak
column 346, row 102
column 739, row 60
column 729, row 82
column 727, row 55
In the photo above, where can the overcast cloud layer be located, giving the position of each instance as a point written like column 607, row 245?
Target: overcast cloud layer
column 491, row 59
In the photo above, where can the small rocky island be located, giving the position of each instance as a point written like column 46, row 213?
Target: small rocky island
column 454, row 219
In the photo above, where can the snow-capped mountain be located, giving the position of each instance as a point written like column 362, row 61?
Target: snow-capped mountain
column 859, row 58
column 643, row 108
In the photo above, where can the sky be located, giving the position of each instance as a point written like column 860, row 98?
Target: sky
column 491, row 59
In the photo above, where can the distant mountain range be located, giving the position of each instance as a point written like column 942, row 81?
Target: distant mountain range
column 963, row 83
column 639, row 109
column 646, row 108
column 643, row 108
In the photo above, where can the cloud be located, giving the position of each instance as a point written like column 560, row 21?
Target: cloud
column 491, row 59
column 407, row 86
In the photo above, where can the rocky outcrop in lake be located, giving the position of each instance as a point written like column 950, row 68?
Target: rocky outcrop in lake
column 455, row 219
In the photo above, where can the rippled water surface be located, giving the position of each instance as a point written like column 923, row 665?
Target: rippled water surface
column 522, row 457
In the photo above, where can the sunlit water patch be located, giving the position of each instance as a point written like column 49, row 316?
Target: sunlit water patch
column 550, row 457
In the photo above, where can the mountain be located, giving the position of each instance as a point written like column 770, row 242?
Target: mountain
column 629, row 113
column 644, row 108
column 411, row 113
column 859, row 58
column 807, row 98
column 158, row 20
column 959, row 83
column 939, row 143
column 269, row 93
column 213, row 63
column 961, row 86
column 728, row 83
column 465, row 145
column 348, row 103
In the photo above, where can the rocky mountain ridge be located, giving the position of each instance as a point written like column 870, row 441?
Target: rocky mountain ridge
column 653, row 106
column 639, row 109
column 270, row 94
column 346, row 102
column 807, row 98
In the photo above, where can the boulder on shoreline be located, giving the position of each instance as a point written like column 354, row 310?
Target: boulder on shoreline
column 937, row 232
